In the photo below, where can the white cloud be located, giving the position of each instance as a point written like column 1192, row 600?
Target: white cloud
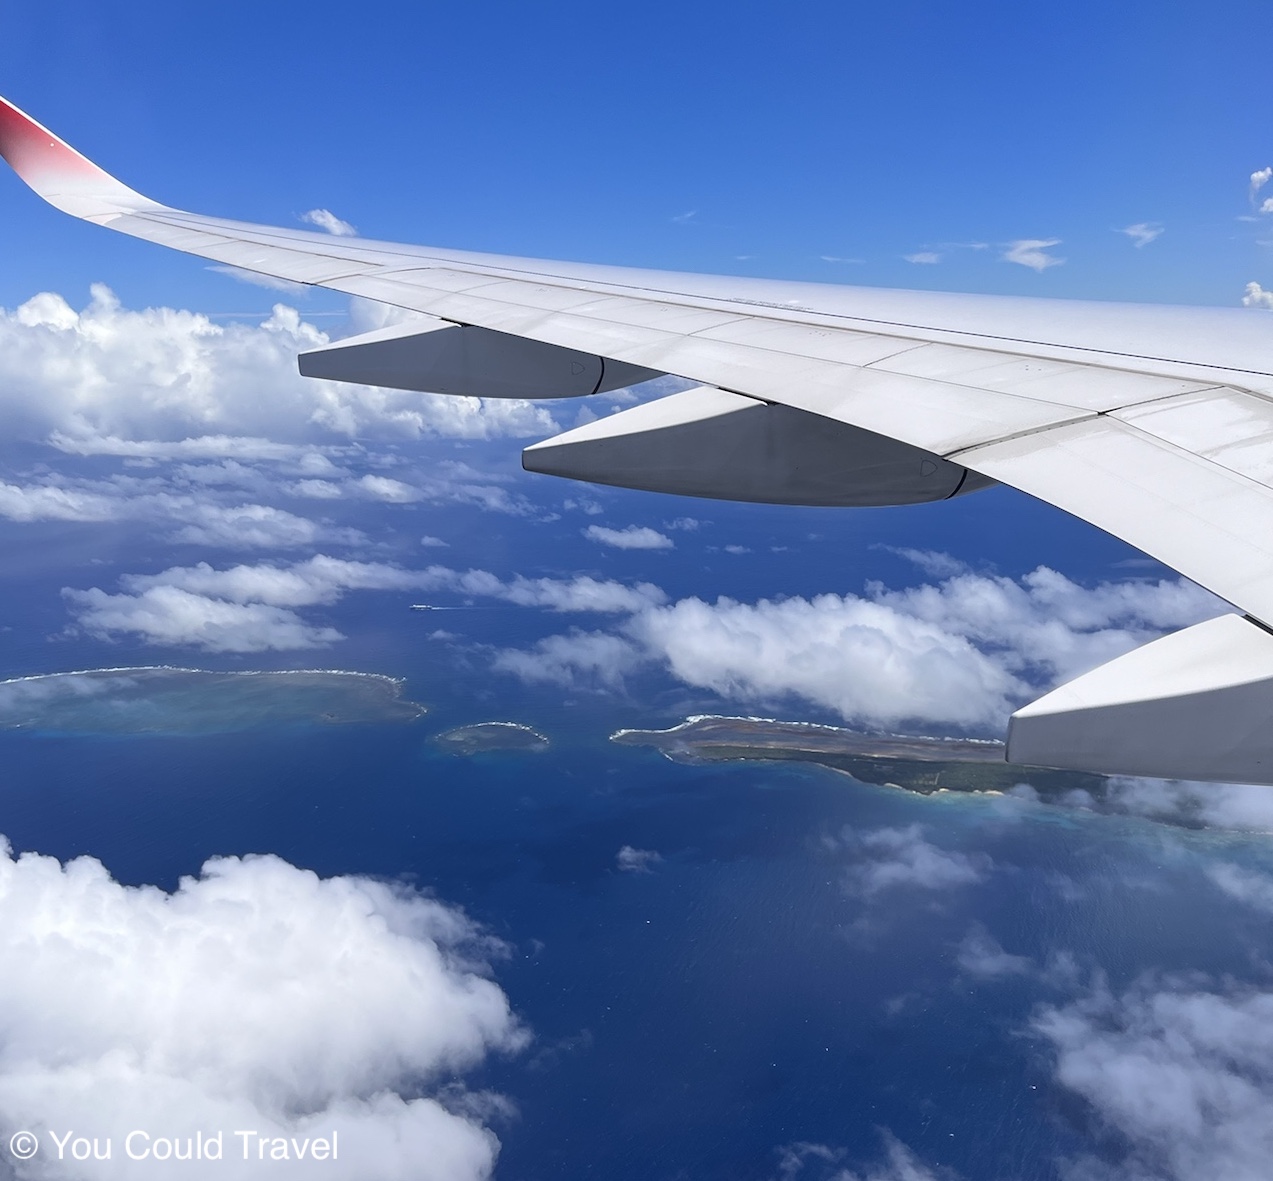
column 633, row 537
column 203, row 521
column 161, row 376
column 434, row 543
column 838, row 258
column 587, row 658
column 923, row 257
column 1239, row 806
column 255, row 996
column 934, row 563
column 1258, row 181
column 807, row 1161
column 387, row 489
column 45, row 502
column 862, row 659
column 1142, row 232
column 326, row 220
column 892, row 857
column 170, row 617
column 1033, row 253
column 1256, row 297
column 1246, row 885
column 324, row 580
column 1179, row 1068
column 254, row 608
column 965, row 652
column 250, row 526
column 632, row 860
column 316, row 490
column 204, row 447
column 980, row 954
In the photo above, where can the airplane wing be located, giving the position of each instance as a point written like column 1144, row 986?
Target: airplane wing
column 1152, row 423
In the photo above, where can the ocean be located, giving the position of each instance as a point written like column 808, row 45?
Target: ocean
column 746, row 984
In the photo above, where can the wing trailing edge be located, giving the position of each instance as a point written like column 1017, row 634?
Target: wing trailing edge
column 722, row 446
column 438, row 357
column 1197, row 704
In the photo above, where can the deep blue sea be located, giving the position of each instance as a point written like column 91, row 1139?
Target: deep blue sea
column 691, row 1020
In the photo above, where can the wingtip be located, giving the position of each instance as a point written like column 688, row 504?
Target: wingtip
column 60, row 174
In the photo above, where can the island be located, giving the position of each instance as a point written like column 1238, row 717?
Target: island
column 191, row 701
column 481, row 737
column 920, row 764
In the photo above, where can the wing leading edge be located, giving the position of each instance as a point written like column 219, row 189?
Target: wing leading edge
column 1155, row 424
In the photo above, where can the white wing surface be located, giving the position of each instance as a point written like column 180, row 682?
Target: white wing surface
column 1153, row 423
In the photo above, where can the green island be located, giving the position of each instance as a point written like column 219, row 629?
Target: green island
column 481, row 737
column 190, row 701
column 918, row 764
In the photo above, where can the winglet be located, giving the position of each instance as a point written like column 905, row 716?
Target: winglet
column 59, row 174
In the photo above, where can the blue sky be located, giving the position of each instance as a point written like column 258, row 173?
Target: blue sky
column 790, row 134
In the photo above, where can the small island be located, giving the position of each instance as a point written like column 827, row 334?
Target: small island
column 920, row 764
column 481, row 737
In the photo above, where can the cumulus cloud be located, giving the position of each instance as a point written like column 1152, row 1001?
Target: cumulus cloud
column 632, row 860
column 1033, row 253
column 49, row 502
column 255, row 608
column 162, row 376
column 326, row 220
column 589, row 659
column 923, row 257
column 1180, row 1068
column 168, row 616
column 1256, row 297
column 1258, row 181
column 964, row 652
column 387, row 489
column 1142, row 233
column 323, row 580
column 203, row 520
column 893, row 857
column 255, row 996
column 633, row 537
column 859, row 658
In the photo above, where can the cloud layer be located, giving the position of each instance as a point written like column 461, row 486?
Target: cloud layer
column 255, row 608
column 163, row 374
column 964, row 652
column 1179, row 1068
column 256, row 996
